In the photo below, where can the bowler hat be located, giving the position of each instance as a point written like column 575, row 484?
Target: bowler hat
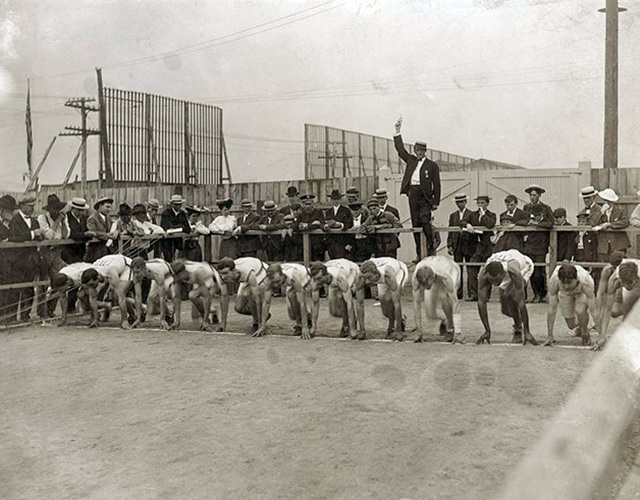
column 353, row 190
column 54, row 204
column 8, row 202
column 139, row 208
column 292, row 191
column 101, row 201
column 535, row 187
column 125, row 209
column 336, row 194
column 560, row 212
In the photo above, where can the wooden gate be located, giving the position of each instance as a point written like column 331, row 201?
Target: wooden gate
column 562, row 186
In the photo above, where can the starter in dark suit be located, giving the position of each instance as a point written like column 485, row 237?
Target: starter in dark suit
column 421, row 183
column 24, row 262
column 461, row 246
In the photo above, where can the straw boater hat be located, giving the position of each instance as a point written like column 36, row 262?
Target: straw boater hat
column 269, row 206
column 8, row 202
column 176, row 199
column 102, row 201
column 380, row 193
column 246, row 203
column 79, row 203
column 482, row 197
column 588, row 192
column 420, row 144
column 535, row 187
column 608, row 195
column 27, row 199
column 460, row 197
column 153, row 203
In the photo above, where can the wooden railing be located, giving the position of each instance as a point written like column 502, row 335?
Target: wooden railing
column 208, row 243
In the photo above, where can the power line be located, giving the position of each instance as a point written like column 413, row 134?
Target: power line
column 209, row 43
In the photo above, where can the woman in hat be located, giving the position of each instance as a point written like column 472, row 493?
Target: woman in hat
column 613, row 216
column 192, row 248
column 100, row 223
column 224, row 225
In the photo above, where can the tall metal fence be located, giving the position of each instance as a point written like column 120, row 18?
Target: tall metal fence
column 332, row 152
column 159, row 140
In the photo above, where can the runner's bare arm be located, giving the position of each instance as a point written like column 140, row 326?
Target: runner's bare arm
column 177, row 302
column 266, row 306
column 92, row 295
column 224, row 305
column 137, row 293
column 315, row 306
column 483, row 292
column 120, row 288
column 552, row 307
column 360, row 294
column 302, row 300
column 592, row 304
column 418, row 298
column 518, row 284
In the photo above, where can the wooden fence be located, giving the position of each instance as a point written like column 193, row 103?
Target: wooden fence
column 205, row 196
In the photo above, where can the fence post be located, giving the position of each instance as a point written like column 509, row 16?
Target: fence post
column 424, row 251
column 306, row 249
column 207, row 248
column 553, row 254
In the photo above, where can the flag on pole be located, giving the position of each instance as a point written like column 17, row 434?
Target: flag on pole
column 27, row 121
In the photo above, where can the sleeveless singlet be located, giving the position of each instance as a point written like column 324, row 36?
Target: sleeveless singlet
column 524, row 262
column 350, row 270
column 583, row 277
column 298, row 272
column 399, row 269
column 443, row 267
column 74, row 271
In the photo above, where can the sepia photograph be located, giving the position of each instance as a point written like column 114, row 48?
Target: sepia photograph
column 320, row 249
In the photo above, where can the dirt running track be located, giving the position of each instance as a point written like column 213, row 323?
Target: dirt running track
column 109, row 414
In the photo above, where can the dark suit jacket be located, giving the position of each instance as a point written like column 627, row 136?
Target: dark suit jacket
column 511, row 240
column 272, row 243
column 567, row 244
column 538, row 243
column 429, row 173
column 484, row 247
column 246, row 243
column 462, row 244
column 4, row 232
column 77, row 228
column 385, row 244
column 171, row 220
column 97, row 250
column 393, row 210
column 343, row 215
column 19, row 231
column 618, row 241
column 589, row 250
column 337, row 243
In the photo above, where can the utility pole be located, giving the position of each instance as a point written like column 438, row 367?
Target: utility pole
column 610, row 153
column 82, row 104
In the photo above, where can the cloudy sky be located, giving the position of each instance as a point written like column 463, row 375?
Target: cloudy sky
column 518, row 81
